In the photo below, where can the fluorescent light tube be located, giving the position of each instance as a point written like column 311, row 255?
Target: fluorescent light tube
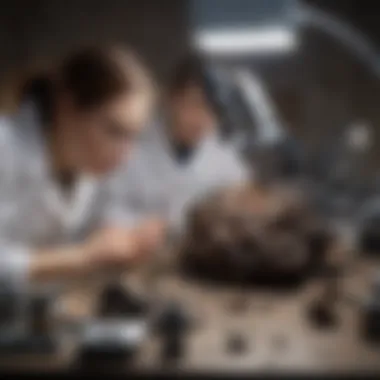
column 243, row 41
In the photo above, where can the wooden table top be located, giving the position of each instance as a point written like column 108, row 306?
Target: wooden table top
column 278, row 333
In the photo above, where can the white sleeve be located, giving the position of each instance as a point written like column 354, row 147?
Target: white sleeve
column 14, row 257
column 14, row 265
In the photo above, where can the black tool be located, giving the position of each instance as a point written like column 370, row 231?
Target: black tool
column 369, row 237
column 8, row 304
column 323, row 313
column 371, row 315
column 39, row 314
column 118, row 301
column 236, row 344
column 27, row 330
column 173, row 325
column 322, row 316
column 115, row 335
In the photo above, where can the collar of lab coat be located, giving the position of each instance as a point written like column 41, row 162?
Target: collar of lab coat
column 30, row 133
column 159, row 135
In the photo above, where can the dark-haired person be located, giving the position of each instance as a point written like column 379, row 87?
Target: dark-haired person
column 73, row 126
column 181, row 156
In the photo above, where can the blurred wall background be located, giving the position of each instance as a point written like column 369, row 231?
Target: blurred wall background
column 41, row 29
column 318, row 91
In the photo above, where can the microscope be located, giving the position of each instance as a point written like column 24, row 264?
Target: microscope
column 248, row 121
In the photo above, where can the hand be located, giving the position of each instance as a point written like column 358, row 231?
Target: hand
column 109, row 248
column 112, row 247
column 115, row 247
column 150, row 235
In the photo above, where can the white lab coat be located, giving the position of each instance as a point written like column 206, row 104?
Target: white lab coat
column 33, row 211
column 156, row 184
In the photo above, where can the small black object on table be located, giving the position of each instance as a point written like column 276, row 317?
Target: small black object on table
column 173, row 325
column 371, row 315
column 322, row 313
column 118, row 301
column 237, row 344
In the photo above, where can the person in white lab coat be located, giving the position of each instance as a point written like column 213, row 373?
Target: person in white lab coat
column 73, row 126
column 181, row 156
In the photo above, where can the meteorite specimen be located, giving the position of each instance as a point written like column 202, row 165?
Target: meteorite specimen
column 255, row 233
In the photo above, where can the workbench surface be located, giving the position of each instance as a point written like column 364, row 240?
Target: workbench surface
column 278, row 334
